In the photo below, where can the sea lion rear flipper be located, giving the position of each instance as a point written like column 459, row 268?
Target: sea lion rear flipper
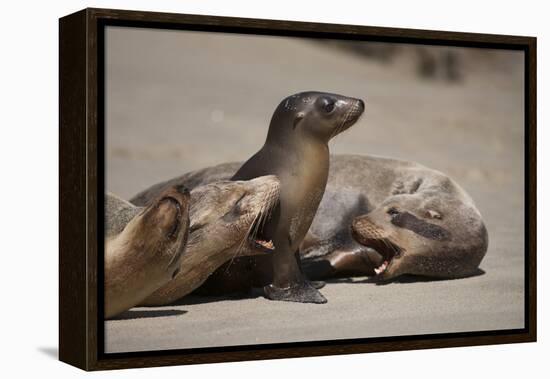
column 342, row 263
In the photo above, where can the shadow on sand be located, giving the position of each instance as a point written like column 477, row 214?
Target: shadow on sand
column 146, row 313
column 203, row 299
column 254, row 293
column 403, row 279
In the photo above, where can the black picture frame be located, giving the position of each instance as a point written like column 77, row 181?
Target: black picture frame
column 81, row 183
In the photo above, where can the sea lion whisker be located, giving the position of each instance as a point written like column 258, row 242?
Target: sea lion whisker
column 339, row 128
column 250, row 233
column 265, row 207
column 175, row 256
column 269, row 205
column 273, row 197
column 259, row 223
column 273, row 200
column 344, row 120
column 239, row 248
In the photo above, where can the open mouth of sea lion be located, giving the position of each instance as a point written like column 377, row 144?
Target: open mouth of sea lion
column 257, row 240
column 268, row 197
column 385, row 248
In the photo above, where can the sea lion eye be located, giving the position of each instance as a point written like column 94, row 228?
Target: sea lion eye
column 328, row 105
column 392, row 211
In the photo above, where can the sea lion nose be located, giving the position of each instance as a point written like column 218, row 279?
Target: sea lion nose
column 361, row 103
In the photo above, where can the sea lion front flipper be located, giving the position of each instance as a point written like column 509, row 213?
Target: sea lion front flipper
column 289, row 282
column 342, row 263
column 303, row 292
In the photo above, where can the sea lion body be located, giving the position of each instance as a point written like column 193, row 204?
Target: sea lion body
column 296, row 151
column 386, row 217
column 143, row 247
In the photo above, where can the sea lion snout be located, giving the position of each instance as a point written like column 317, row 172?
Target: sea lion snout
column 352, row 111
column 364, row 230
column 377, row 236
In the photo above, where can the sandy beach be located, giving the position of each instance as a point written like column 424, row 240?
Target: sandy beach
column 180, row 101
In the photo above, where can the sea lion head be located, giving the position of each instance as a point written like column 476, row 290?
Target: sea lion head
column 419, row 234
column 317, row 115
column 227, row 215
column 145, row 252
column 225, row 222
column 159, row 230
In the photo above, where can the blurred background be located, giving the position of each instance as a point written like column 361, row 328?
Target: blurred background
column 178, row 101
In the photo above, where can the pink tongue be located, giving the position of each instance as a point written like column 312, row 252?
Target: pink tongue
column 268, row 244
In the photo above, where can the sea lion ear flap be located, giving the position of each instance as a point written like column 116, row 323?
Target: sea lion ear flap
column 298, row 118
column 433, row 214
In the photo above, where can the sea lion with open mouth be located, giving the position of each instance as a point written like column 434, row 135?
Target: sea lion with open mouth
column 405, row 219
column 143, row 247
column 225, row 219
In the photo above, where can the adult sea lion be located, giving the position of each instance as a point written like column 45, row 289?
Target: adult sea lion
column 225, row 219
column 143, row 247
column 446, row 239
column 296, row 151
column 405, row 219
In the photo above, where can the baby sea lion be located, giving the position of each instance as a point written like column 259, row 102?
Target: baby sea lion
column 143, row 247
column 296, row 151
column 225, row 219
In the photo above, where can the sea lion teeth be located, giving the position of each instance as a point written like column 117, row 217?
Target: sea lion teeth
column 382, row 268
column 266, row 244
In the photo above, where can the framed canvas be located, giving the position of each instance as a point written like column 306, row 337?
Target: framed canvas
column 387, row 202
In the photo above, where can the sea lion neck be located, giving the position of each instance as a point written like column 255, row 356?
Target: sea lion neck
column 298, row 148
column 282, row 134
